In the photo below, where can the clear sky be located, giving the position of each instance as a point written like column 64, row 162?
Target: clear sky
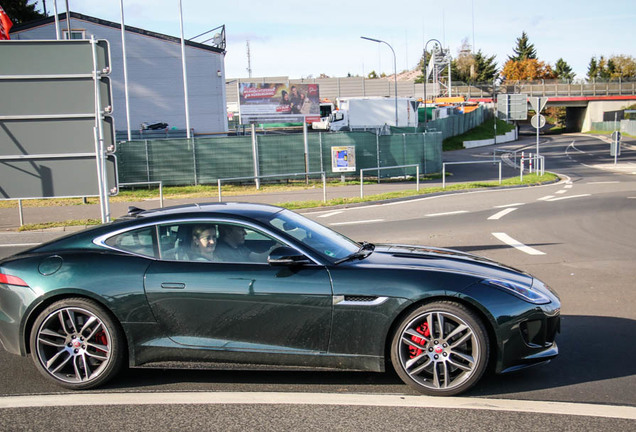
column 302, row 39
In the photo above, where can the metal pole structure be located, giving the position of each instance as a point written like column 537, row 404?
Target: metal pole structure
column 426, row 75
column 123, row 50
column 394, row 72
column 57, row 21
column 306, row 148
column 99, row 140
column 68, row 22
column 255, row 156
column 185, row 74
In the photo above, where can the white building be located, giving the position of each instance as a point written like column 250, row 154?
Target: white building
column 155, row 74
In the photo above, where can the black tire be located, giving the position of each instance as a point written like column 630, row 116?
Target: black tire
column 77, row 344
column 444, row 361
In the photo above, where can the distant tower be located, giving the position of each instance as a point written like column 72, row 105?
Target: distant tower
column 249, row 61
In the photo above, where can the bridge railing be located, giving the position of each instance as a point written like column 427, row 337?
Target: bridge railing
column 332, row 88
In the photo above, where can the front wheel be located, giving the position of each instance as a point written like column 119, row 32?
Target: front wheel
column 77, row 344
column 440, row 349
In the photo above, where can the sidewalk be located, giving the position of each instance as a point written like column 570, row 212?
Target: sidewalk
column 10, row 217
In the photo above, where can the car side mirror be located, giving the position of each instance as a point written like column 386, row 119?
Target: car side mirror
column 287, row 256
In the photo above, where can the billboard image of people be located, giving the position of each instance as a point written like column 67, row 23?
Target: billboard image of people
column 278, row 103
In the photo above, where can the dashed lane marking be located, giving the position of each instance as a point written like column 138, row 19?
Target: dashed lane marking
column 357, row 222
column 568, row 197
column 19, row 244
column 446, row 213
column 326, row 215
column 517, row 245
column 545, row 198
column 509, row 205
column 502, row 213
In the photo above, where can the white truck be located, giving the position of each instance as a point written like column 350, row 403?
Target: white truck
column 359, row 113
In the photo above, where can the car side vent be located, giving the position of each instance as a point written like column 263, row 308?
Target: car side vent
column 360, row 298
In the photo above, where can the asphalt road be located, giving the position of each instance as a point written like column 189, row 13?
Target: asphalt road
column 579, row 236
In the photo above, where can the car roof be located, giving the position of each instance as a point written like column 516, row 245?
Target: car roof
column 233, row 208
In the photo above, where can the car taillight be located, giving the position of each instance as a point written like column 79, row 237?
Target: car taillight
column 11, row 280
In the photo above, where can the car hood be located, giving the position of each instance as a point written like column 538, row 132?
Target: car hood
column 445, row 260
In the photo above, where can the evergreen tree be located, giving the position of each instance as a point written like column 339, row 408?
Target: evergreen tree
column 20, row 11
column 563, row 70
column 523, row 50
column 477, row 68
column 592, row 69
column 486, row 67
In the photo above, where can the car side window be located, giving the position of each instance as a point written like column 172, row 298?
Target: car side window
column 192, row 241
column 241, row 244
column 140, row 241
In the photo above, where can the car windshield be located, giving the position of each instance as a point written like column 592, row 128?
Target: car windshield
column 321, row 239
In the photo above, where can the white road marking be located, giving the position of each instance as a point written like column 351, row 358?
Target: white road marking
column 357, row 222
column 509, row 205
column 562, row 191
column 568, row 197
column 568, row 186
column 339, row 399
column 603, row 182
column 502, row 213
column 446, row 213
column 333, row 213
column 517, row 245
column 19, row 244
column 545, row 198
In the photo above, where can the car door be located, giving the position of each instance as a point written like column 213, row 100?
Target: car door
column 240, row 305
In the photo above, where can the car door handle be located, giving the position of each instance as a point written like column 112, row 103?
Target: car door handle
column 172, row 285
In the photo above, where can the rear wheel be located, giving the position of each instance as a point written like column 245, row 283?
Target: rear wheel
column 77, row 344
column 440, row 349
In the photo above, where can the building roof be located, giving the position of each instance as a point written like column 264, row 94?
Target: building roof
column 87, row 18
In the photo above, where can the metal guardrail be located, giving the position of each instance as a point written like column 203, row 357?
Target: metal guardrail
column 417, row 175
column 322, row 176
column 160, row 183
column 466, row 163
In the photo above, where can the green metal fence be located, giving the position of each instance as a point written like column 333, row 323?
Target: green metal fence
column 204, row 160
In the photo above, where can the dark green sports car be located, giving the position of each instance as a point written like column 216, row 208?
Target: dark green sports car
column 257, row 284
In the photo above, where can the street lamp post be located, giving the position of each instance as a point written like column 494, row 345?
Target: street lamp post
column 394, row 72
column 426, row 74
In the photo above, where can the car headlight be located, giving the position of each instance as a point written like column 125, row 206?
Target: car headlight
column 523, row 292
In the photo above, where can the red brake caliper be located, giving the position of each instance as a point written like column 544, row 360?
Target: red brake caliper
column 423, row 330
column 101, row 338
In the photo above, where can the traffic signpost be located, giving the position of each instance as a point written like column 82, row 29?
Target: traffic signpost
column 57, row 133
column 538, row 121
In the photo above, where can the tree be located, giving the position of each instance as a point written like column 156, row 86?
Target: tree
column 523, row 50
column 372, row 75
column 592, row 69
column 617, row 66
column 624, row 66
column 486, row 67
column 528, row 69
column 20, row 11
column 563, row 70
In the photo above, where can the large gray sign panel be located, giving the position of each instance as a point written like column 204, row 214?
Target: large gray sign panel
column 49, row 124
column 512, row 106
column 53, row 177
column 52, row 57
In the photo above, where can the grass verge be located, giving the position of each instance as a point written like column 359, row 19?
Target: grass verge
column 528, row 180
column 481, row 132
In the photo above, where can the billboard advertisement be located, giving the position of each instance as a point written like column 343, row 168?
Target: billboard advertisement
column 278, row 103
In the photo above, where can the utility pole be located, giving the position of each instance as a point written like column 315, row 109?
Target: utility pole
column 249, row 60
